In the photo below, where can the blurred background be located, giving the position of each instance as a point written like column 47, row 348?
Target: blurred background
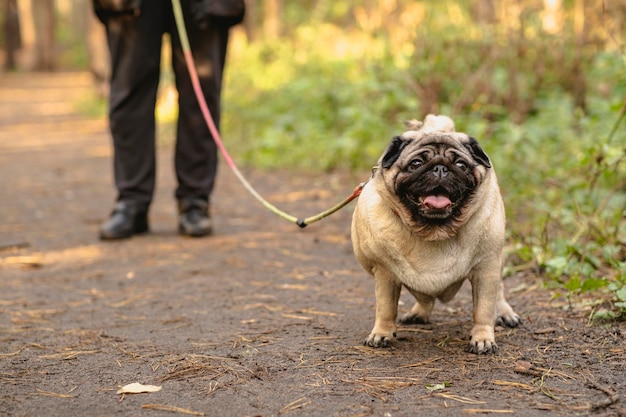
column 321, row 85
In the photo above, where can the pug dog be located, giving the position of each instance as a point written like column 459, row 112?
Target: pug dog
column 430, row 217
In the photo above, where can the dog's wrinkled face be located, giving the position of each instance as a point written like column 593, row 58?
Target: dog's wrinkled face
column 434, row 177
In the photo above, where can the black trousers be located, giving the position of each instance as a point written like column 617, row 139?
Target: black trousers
column 135, row 47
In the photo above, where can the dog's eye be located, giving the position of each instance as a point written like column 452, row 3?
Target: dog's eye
column 461, row 165
column 416, row 163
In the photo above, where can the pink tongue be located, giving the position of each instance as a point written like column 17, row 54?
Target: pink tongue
column 437, row 201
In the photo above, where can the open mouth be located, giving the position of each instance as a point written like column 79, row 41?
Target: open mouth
column 436, row 202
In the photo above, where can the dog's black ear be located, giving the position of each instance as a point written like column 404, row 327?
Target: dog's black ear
column 477, row 152
column 394, row 149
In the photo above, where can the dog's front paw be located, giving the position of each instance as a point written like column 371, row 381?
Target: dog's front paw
column 378, row 340
column 482, row 340
column 482, row 347
column 512, row 320
column 506, row 316
column 410, row 318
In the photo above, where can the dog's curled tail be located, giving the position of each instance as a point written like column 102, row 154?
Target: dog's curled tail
column 432, row 123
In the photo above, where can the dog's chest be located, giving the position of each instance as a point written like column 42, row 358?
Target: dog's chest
column 432, row 267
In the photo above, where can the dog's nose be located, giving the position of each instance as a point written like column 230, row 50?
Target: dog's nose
column 440, row 171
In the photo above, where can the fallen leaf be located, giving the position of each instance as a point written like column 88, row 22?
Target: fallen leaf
column 24, row 261
column 437, row 387
column 137, row 388
column 523, row 366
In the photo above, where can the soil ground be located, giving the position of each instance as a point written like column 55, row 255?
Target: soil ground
column 260, row 319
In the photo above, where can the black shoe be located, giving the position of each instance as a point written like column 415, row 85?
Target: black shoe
column 126, row 220
column 194, row 217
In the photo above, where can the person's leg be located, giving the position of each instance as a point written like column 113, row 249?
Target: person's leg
column 196, row 153
column 135, row 47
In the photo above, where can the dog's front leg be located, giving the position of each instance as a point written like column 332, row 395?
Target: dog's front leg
column 484, row 295
column 387, row 296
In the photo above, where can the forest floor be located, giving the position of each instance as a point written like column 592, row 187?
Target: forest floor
column 260, row 319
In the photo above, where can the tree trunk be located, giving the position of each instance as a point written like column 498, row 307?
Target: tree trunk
column 25, row 57
column 99, row 61
column 45, row 46
column 11, row 28
column 272, row 12
column 251, row 20
column 484, row 11
column 579, row 83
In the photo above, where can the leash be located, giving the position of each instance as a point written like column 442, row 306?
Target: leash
column 195, row 81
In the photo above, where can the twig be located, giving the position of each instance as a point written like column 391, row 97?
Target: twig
column 69, row 355
column 513, row 384
column 299, row 403
column 612, row 396
column 6, row 355
column 620, row 117
column 460, row 399
column 422, row 363
column 54, row 394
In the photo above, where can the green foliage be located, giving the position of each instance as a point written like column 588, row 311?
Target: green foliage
column 547, row 110
column 310, row 114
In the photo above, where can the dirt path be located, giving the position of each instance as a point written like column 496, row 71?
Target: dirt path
column 262, row 319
